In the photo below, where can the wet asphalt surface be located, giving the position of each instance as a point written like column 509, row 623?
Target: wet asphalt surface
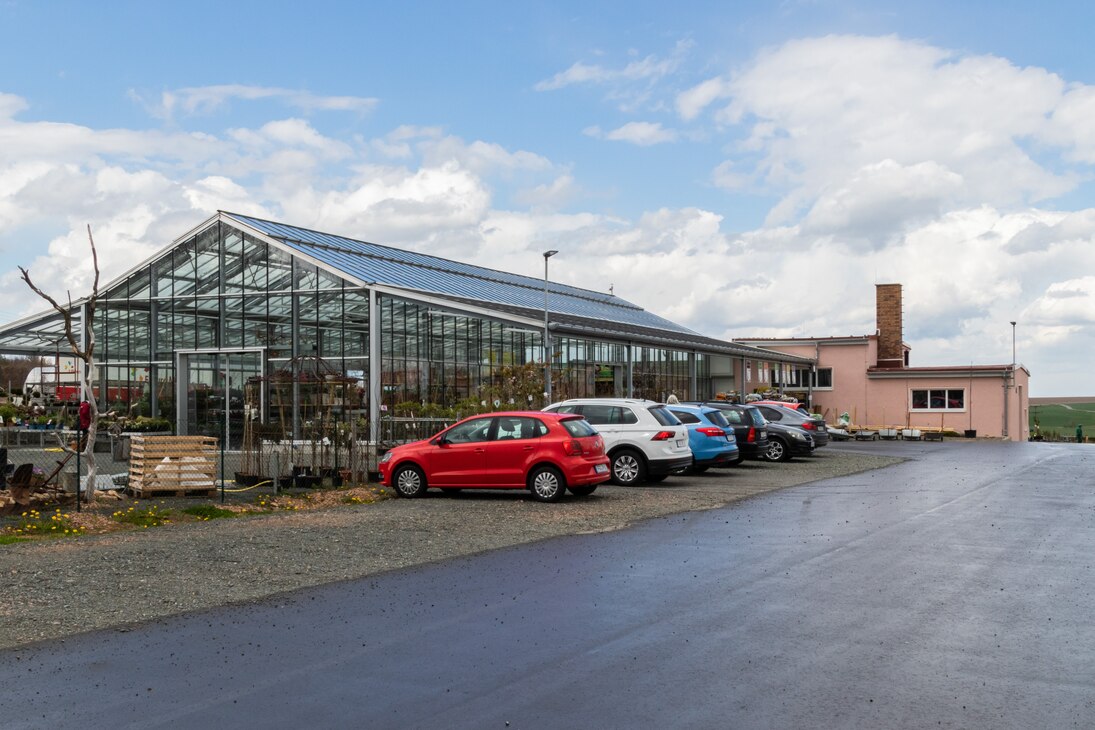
column 952, row 590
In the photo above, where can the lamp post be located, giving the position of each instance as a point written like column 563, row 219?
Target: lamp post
column 547, row 336
column 1013, row 350
column 1008, row 383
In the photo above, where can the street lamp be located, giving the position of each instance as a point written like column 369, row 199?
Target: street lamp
column 1009, row 383
column 1013, row 349
column 547, row 336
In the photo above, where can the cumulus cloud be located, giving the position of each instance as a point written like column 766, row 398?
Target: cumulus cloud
column 861, row 211
column 818, row 112
column 1069, row 303
column 554, row 194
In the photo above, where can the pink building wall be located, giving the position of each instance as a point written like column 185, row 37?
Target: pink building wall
column 882, row 397
column 872, row 382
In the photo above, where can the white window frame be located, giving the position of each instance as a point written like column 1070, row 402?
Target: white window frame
column 946, row 399
column 813, row 378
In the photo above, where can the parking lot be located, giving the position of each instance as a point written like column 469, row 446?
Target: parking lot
column 951, row 588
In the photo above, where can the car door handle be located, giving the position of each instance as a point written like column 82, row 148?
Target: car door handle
column 480, row 450
column 528, row 448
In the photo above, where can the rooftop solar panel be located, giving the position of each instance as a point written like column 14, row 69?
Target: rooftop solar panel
column 376, row 264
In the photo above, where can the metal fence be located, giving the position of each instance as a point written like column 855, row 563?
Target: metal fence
column 395, row 430
column 278, row 463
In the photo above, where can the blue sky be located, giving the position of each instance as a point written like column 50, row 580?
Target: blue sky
column 746, row 169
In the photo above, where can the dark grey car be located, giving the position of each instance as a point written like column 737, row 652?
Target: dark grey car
column 789, row 417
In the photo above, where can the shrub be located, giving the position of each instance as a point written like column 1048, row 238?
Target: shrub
column 143, row 424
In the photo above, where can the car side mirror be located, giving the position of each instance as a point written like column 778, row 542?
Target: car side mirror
column 442, row 441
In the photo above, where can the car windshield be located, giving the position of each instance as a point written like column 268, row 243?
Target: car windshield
column 579, row 427
column 664, row 417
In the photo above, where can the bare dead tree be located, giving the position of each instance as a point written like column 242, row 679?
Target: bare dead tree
column 83, row 351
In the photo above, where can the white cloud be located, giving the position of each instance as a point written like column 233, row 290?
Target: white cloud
column 554, row 194
column 692, row 102
column 819, row 111
column 206, row 99
column 861, row 210
column 643, row 134
column 291, row 133
column 1069, row 303
column 628, row 86
column 649, row 68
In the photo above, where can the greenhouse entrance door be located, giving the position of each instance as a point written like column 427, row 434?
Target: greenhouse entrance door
column 220, row 390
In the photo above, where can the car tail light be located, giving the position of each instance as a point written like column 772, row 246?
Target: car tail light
column 752, row 437
column 809, row 425
column 664, row 436
column 572, row 447
column 712, row 432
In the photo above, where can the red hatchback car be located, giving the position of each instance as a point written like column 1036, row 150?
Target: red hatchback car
column 545, row 453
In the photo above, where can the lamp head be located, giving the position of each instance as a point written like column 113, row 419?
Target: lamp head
column 549, row 254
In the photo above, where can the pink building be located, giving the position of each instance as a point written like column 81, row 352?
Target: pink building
column 869, row 378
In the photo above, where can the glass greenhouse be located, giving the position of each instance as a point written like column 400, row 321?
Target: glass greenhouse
column 243, row 321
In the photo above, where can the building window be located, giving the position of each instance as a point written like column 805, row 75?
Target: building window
column 950, row 399
column 822, row 379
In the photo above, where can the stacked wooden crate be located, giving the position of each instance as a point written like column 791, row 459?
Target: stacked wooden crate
column 173, row 464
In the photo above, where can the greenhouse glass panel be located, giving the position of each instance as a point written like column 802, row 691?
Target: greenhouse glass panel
column 207, row 261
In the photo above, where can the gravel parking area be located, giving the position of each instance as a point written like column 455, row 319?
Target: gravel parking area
column 56, row 588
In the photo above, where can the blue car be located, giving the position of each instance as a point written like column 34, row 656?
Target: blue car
column 710, row 436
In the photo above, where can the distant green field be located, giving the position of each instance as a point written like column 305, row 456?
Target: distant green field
column 1062, row 419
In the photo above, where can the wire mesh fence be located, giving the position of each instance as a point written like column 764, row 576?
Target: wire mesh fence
column 274, row 464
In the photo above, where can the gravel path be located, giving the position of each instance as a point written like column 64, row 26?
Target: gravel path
column 60, row 587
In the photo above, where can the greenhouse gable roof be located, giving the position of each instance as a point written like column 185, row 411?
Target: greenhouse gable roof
column 372, row 263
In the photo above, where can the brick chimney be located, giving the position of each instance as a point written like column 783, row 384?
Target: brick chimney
column 891, row 353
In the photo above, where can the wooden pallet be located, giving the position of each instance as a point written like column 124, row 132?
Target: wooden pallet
column 172, row 464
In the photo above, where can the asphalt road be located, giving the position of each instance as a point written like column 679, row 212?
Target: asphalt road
column 952, row 590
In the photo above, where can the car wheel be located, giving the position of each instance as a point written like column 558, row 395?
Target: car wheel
column 409, row 481
column 777, row 451
column 546, row 484
column 628, row 468
column 584, row 490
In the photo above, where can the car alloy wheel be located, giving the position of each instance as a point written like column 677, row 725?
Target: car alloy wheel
column 627, row 468
column 546, row 484
column 776, row 451
column 409, row 482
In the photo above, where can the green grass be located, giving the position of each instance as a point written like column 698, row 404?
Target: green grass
column 143, row 516
column 9, row 539
column 210, row 512
column 1060, row 419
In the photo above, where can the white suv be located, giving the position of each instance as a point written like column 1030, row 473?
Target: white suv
column 643, row 440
